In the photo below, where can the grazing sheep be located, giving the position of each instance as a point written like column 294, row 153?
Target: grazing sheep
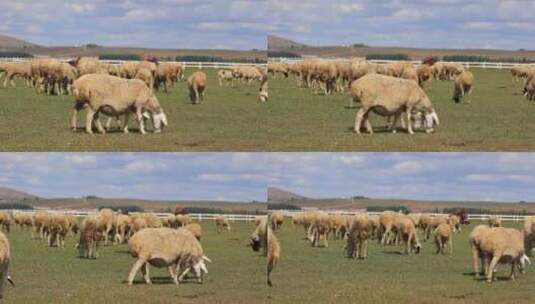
column 494, row 221
column 5, row 220
column 169, row 221
column 389, row 96
column 145, row 75
column 221, row 222
column 319, row 229
column 24, row 220
column 529, row 87
column 89, row 238
column 475, row 238
column 443, row 237
column 114, row 96
column 273, row 253
column 225, row 76
column 58, row 229
column 407, row 234
column 197, row 85
column 386, row 225
column 464, row 84
column 22, row 70
column 359, row 231
column 167, row 74
column 529, row 234
column 138, row 224
column 182, row 220
column 195, row 229
column 178, row 250
column 277, row 219
column 264, row 89
column 259, row 236
column 105, row 221
column 5, row 259
column 455, row 222
column 504, row 246
column 89, row 65
column 123, row 224
column 425, row 74
column 39, row 221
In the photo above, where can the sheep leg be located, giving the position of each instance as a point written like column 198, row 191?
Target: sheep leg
column 145, row 272
column 492, row 266
column 139, row 116
column 89, row 120
column 409, row 125
column 172, row 273
column 358, row 120
column 135, row 268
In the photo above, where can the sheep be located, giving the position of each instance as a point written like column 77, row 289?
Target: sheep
column 139, row 224
column 278, row 67
column 359, row 231
column 259, row 236
column 389, row 96
column 225, row 76
column 59, row 227
column 455, row 222
column 151, row 219
column 494, row 221
column 197, row 85
column 113, row 96
column 221, row 222
column 165, row 247
column 182, row 220
column 407, row 234
column 167, row 74
column 5, row 220
column 475, row 238
column 519, row 72
column 5, row 259
column 123, row 224
column 503, row 245
column 463, row 86
column 105, row 221
column 529, row 234
column 23, row 220
column 425, row 74
column 195, row 229
column 169, row 221
column 273, row 253
column 443, row 237
column 90, row 237
column 319, row 229
column 128, row 69
column 39, row 220
column 529, row 87
column 145, row 75
column 386, row 224
column 89, row 65
column 277, row 219
column 433, row 224
column 17, row 69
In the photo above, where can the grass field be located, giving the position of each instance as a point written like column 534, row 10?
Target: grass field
column 323, row 275
column 498, row 119
column 230, row 119
column 55, row 275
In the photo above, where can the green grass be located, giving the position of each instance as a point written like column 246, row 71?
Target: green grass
column 323, row 275
column 499, row 119
column 230, row 119
column 55, row 275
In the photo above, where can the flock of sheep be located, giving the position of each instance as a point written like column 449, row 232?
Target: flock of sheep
column 117, row 91
column 173, row 241
column 388, row 90
column 491, row 244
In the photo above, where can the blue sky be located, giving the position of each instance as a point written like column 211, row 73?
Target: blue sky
column 416, row 23
column 245, row 176
column 230, row 24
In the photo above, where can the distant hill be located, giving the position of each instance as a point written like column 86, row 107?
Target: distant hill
column 279, row 195
column 8, row 42
column 279, row 43
column 13, row 194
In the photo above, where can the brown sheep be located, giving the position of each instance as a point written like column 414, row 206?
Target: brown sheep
column 197, row 85
column 359, row 231
column 273, row 253
column 464, row 85
column 90, row 237
column 443, row 237
column 5, row 220
column 319, row 229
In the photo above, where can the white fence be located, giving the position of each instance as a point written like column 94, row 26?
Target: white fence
column 485, row 65
column 195, row 216
column 477, row 217
column 187, row 64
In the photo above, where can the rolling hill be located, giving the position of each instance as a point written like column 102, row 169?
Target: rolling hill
column 13, row 194
column 8, row 42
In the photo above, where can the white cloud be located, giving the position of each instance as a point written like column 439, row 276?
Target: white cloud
column 349, row 8
column 82, row 8
column 480, row 25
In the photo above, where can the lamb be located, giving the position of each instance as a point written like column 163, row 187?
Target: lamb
column 5, row 259
column 443, row 237
column 221, row 222
column 178, row 250
column 388, row 96
column 360, row 230
column 273, row 254
column 494, row 221
column 277, row 219
column 114, row 96
column 503, row 245
column 464, row 84
column 197, row 85
column 407, row 234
